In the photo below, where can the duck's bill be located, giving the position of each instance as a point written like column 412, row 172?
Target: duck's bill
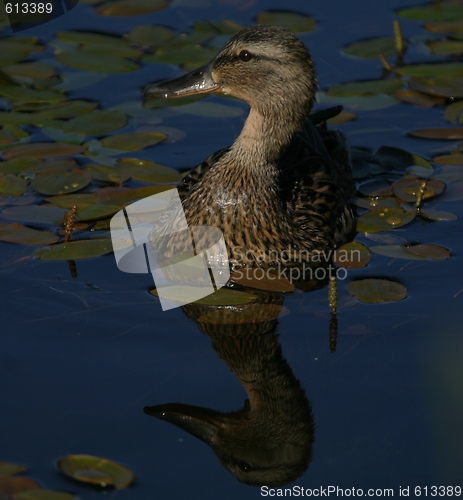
column 199, row 81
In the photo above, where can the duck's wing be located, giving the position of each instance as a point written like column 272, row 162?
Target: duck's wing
column 197, row 173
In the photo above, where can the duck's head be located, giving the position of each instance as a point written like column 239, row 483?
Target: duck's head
column 266, row 66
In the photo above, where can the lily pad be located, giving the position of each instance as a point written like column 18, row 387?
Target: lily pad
column 44, row 495
column 364, row 88
column 363, row 102
column 12, row 185
column 262, row 280
column 63, row 164
column 12, row 485
column 216, row 28
column 453, row 159
column 74, row 250
column 96, row 123
column 146, row 171
column 96, row 212
column 91, row 38
column 406, row 189
column 342, row 117
column 400, row 159
column 17, row 233
column 434, row 214
column 107, row 174
column 132, row 141
column 352, row 255
column 151, row 36
column 10, row 468
column 251, row 313
column 33, row 69
column 440, row 12
column 440, row 86
column 454, row 112
column 42, row 150
column 384, row 219
column 374, row 203
column 194, row 54
column 95, row 62
column 222, row 297
column 17, row 165
column 448, row 27
column 23, row 94
column 123, row 196
column 376, row 291
column 40, row 214
column 130, row 7
column 431, row 69
column 440, row 134
column 416, row 252
column 69, row 200
column 210, row 109
column 372, row 48
column 446, row 47
column 297, row 23
column 418, row 98
column 55, row 181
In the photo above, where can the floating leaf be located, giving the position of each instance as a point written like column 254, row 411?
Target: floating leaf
column 431, row 69
column 297, row 23
column 433, row 214
column 131, row 7
column 453, row 159
column 400, row 159
column 359, row 103
column 406, row 189
column 352, row 255
column 42, row 150
column 418, row 98
column 342, row 117
column 88, row 37
column 96, row 212
column 375, row 188
column 445, row 26
column 67, row 109
column 96, row 123
column 262, row 280
column 23, row 94
column 195, row 54
column 375, row 203
column 132, row 141
column 424, row 251
column 35, row 214
column 444, row 86
column 164, row 103
column 454, row 112
column 63, row 164
column 222, row 297
column 17, row 165
column 74, row 250
column 17, row 233
column 250, row 313
column 44, row 495
column 446, row 47
column 123, row 196
column 96, row 470
column 225, row 27
column 372, row 48
column 210, row 109
column 384, row 219
column 440, row 134
column 69, row 200
column 107, row 174
column 96, row 62
column 146, row 171
column 436, row 12
column 34, row 69
column 364, row 88
column 375, row 291
column 11, row 485
column 10, row 469
column 12, row 185
column 151, row 36
column 55, row 181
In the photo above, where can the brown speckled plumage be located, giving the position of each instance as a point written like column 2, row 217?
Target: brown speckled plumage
column 284, row 183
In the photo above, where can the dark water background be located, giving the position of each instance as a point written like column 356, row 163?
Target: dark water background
column 80, row 358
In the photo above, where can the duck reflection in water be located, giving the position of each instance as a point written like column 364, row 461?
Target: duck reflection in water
column 269, row 441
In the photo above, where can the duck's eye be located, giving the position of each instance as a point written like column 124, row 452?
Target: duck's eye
column 245, row 55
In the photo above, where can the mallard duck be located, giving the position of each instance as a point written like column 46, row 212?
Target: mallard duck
column 284, row 183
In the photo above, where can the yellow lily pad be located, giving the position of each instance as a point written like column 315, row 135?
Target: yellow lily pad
column 96, row 470
column 10, row 469
column 262, row 280
column 372, row 48
column 297, row 23
column 375, row 291
column 342, row 117
column 132, row 141
column 96, row 62
column 406, row 189
column 453, row 159
column 440, row 134
column 431, row 69
column 444, row 86
column 130, row 7
column 17, row 233
column 434, row 214
column 418, row 98
column 384, row 219
column 352, row 255
column 12, row 185
column 42, row 150
column 55, row 181
column 446, row 47
column 44, row 495
column 11, row 485
column 74, row 250
column 96, row 123
column 147, row 171
column 374, row 203
column 423, row 251
column 364, row 88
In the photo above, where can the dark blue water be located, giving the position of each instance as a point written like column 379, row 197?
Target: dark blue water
column 81, row 358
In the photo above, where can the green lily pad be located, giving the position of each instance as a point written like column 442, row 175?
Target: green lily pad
column 12, row 185
column 146, row 171
column 130, row 7
column 352, row 89
column 132, row 141
column 194, row 54
column 74, row 250
column 164, row 103
column 431, row 69
column 17, row 233
column 123, row 196
column 297, row 23
column 96, row 62
column 416, row 252
column 13, row 118
column 96, row 123
column 107, row 174
column 400, row 159
column 406, row 189
column 88, row 37
column 384, row 219
column 446, row 47
column 55, row 181
column 441, row 12
column 69, row 200
column 376, row 291
column 42, row 150
column 375, row 203
column 418, row 98
column 352, row 255
column 359, row 103
column 450, row 134
column 222, row 297
column 96, row 470
column 151, row 36
column 67, row 109
column 44, row 495
column 63, row 164
column 34, row 69
column 40, row 214
column 262, row 280
column 434, row 214
column 440, row 86
column 10, row 469
column 96, row 212
column 452, row 159
column 17, row 165
column 372, row 48
column 23, row 94
column 454, row 113
column 216, row 28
